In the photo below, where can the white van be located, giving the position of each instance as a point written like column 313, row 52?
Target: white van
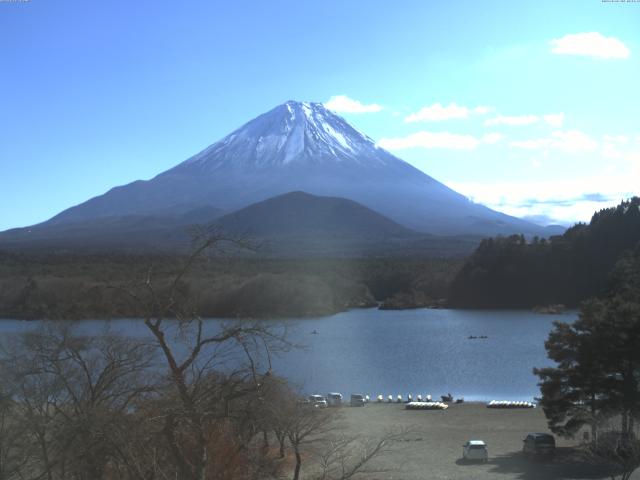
column 318, row 401
column 334, row 399
column 475, row 450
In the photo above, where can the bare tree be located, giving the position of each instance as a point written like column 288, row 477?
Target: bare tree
column 214, row 369
column 619, row 451
column 345, row 458
column 15, row 448
column 316, row 433
column 275, row 409
column 304, row 426
column 73, row 397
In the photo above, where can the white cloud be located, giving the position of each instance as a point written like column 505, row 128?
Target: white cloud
column 446, row 140
column 566, row 200
column 344, row 104
column 569, row 141
column 535, row 144
column 562, row 201
column 482, row 109
column 554, row 119
column 591, row 44
column 492, row 138
column 431, row 140
column 572, row 141
column 620, row 147
column 437, row 113
column 617, row 138
column 611, row 146
column 634, row 160
column 517, row 120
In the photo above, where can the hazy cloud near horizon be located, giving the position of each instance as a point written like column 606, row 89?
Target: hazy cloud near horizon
column 545, row 203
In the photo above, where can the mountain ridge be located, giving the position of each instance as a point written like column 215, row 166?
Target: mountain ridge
column 292, row 225
column 298, row 147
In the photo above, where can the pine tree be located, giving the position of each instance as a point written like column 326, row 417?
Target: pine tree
column 598, row 360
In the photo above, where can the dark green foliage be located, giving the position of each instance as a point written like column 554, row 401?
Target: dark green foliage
column 509, row 272
column 598, row 359
column 88, row 286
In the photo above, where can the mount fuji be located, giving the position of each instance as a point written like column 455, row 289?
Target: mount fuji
column 296, row 146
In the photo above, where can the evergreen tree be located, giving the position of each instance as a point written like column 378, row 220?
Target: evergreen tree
column 598, row 360
column 508, row 272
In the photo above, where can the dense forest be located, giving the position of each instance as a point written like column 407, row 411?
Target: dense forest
column 504, row 272
column 73, row 286
column 512, row 272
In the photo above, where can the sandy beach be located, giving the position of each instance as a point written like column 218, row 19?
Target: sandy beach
column 434, row 448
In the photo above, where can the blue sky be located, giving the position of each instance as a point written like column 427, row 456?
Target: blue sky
column 529, row 107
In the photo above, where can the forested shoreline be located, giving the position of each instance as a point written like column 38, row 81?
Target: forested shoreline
column 514, row 272
column 69, row 286
column 504, row 272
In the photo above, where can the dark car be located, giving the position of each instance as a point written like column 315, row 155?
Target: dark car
column 539, row 445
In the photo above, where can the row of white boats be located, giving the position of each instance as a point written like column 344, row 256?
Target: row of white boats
column 426, row 406
column 510, row 404
column 418, row 402
column 426, row 403
column 401, row 399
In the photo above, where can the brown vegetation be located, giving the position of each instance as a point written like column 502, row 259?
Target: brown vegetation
column 192, row 401
column 66, row 286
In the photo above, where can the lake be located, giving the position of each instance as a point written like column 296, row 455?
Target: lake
column 424, row 351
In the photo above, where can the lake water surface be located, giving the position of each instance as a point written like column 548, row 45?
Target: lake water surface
column 414, row 352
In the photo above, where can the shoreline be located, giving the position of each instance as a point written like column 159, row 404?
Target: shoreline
column 307, row 316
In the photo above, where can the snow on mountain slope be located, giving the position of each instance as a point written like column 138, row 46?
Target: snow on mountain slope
column 301, row 147
column 292, row 132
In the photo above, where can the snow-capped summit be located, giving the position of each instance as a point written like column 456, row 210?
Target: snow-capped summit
column 291, row 132
column 299, row 147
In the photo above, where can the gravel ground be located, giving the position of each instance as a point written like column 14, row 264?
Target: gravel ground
column 434, row 448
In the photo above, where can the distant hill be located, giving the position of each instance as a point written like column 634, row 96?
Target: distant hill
column 296, row 224
column 301, row 224
column 299, row 214
column 511, row 272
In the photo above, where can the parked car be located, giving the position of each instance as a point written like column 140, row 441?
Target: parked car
column 357, row 400
column 475, row 450
column 334, row 399
column 318, row 401
column 539, row 445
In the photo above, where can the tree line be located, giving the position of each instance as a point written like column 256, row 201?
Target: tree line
column 75, row 286
column 515, row 272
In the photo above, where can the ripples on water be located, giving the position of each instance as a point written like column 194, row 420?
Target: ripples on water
column 414, row 352
column 422, row 351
